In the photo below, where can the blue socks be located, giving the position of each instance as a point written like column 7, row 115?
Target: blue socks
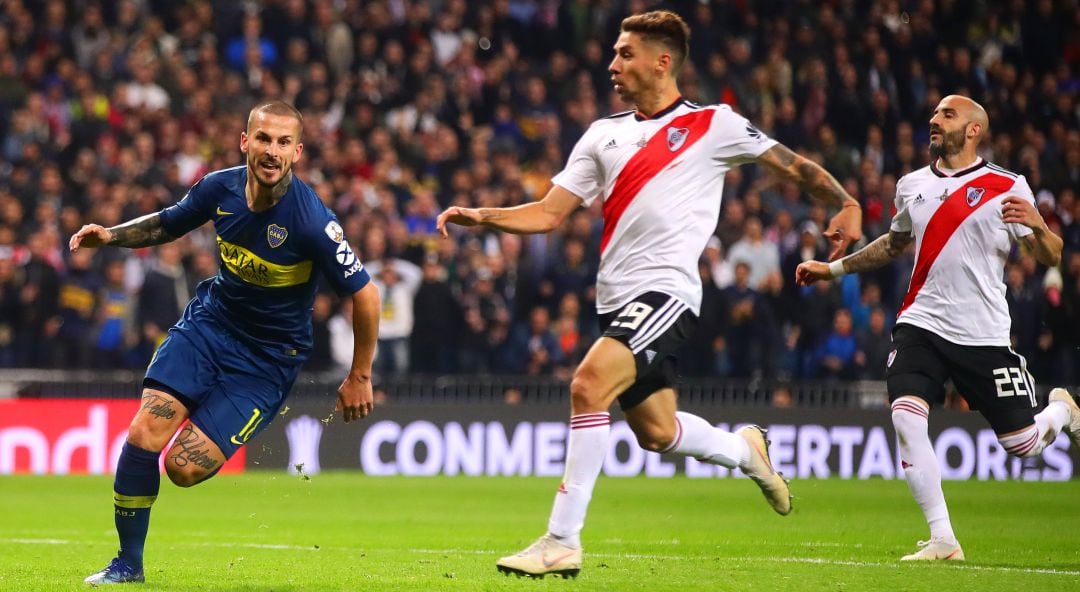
column 134, row 491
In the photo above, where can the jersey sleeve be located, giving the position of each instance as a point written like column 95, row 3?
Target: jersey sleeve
column 191, row 212
column 1020, row 189
column 736, row 139
column 335, row 259
column 582, row 175
column 901, row 220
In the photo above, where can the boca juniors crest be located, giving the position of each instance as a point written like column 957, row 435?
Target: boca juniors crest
column 276, row 235
column 676, row 137
column 974, row 195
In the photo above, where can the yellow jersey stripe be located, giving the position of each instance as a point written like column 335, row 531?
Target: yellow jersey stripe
column 255, row 270
column 133, row 501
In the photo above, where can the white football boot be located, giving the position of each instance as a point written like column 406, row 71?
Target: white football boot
column 936, row 550
column 760, row 469
column 1072, row 427
column 546, row 556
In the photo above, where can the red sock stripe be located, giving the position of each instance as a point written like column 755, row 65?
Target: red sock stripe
column 590, row 420
column 911, row 408
column 1025, row 446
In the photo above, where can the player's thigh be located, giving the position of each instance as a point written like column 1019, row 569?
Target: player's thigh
column 607, row 370
column 916, row 367
column 193, row 457
column 160, row 414
column 995, row 381
column 653, row 419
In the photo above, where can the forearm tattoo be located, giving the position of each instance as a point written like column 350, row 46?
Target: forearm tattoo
column 810, row 177
column 883, row 249
column 190, row 448
column 158, row 406
column 141, row 232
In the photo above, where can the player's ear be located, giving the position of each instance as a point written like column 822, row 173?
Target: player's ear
column 299, row 151
column 243, row 142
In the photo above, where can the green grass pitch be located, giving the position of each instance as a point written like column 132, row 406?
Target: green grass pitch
column 344, row 531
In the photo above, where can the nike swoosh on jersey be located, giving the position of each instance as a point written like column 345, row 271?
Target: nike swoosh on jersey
column 221, row 212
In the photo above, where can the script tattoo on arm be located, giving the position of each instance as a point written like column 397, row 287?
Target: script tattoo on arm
column 190, row 448
column 883, row 249
column 158, row 405
column 141, row 232
column 808, row 175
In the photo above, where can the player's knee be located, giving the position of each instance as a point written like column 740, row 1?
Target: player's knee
column 585, row 390
column 655, row 438
column 139, row 434
column 185, row 476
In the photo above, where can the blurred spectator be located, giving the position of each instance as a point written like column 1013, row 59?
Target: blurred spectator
column 116, row 335
column 433, row 343
column 534, row 348
column 836, row 354
column 760, row 256
column 874, row 345
column 398, row 281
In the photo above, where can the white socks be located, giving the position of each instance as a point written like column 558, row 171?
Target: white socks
column 921, row 465
column 590, row 434
column 697, row 438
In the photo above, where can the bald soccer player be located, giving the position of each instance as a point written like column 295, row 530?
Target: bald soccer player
column 962, row 213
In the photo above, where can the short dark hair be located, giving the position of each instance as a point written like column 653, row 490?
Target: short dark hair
column 277, row 108
column 665, row 27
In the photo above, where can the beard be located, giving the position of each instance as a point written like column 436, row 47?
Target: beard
column 951, row 143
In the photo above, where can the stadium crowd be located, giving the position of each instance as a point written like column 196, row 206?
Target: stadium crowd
column 110, row 110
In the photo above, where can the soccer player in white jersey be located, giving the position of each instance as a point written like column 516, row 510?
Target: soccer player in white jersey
column 962, row 213
column 659, row 172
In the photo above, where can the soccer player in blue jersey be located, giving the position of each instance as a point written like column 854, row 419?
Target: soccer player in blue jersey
column 228, row 363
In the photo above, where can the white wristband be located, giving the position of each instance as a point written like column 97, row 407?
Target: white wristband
column 836, row 268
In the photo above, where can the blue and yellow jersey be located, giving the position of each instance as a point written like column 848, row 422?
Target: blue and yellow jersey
column 266, row 287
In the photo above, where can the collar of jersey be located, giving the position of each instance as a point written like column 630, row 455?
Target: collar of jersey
column 934, row 169
column 638, row 115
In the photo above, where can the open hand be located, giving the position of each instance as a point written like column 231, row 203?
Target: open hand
column 457, row 215
column 90, row 236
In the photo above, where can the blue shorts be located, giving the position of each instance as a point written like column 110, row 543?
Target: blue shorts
column 231, row 390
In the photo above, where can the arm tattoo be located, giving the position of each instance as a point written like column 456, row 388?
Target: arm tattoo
column 140, row 232
column 883, row 249
column 810, row 177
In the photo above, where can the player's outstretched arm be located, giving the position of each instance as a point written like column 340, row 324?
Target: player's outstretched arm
column 879, row 252
column 846, row 226
column 356, row 400
column 144, row 231
column 1045, row 245
column 533, row 218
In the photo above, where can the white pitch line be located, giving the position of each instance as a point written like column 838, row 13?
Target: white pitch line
column 645, row 556
column 804, row 560
column 36, row 541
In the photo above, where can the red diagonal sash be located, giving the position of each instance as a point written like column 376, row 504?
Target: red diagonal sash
column 943, row 224
column 647, row 163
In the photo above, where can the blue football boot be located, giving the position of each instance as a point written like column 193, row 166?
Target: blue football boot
column 118, row 572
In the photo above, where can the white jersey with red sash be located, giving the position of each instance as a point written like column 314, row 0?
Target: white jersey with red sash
column 957, row 288
column 660, row 180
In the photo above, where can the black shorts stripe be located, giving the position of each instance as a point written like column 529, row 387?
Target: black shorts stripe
column 654, row 317
column 664, row 322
